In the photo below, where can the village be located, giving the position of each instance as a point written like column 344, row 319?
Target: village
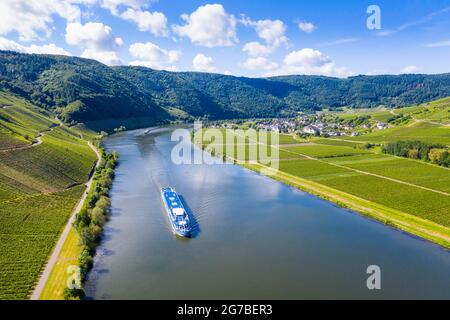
column 307, row 124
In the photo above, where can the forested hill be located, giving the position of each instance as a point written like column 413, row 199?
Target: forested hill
column 221, row 95
column 85, row 90
column 77, row 89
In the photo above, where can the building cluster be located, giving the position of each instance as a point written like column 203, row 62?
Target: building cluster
column 278, row 125
column 318, row 125
column 309, row 124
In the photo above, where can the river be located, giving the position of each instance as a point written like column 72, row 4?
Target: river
column 255, row 238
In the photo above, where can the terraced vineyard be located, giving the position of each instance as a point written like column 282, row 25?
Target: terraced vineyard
column 40, row 184
column 20, row 122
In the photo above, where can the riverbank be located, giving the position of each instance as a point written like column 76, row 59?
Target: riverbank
column 414, row 225
column 57, row 281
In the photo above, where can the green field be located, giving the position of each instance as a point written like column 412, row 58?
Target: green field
column 380, row 113
column 405, row 198
column 237, row 136
column 424, row 131
column 322, row 151
column 39, row 187
column 337, row 142
column 408, row 170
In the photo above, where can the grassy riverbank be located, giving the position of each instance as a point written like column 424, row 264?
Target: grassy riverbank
column 57, row 282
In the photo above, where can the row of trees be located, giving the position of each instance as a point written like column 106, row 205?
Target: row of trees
column 435, row 153
column 90, row 220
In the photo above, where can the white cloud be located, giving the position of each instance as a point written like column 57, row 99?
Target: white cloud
column 47, row 49
column 339, row 42
column 113, row 5
column 10, row 45
column 32, row 19
column 151, row 65
column 271, row 31
column 259, row 63
column 51, row 48
column 210, row 26
column 109, row 58
column 307, row 27
column 93, row 35
column 409, row 69
column 310, row 62
column 151, row 56
column 203, row 63
column 155, row 22
column 97, row 39
column 439, row 44
column 256, row 49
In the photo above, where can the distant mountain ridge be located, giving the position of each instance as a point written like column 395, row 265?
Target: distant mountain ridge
column 85, row 90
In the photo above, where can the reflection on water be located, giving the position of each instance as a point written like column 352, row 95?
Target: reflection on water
column 255, row 238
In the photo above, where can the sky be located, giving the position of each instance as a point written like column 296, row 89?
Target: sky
column 255, row 38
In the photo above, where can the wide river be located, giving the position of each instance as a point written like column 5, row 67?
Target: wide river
column 254, row 238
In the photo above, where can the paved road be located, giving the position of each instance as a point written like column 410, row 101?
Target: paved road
column 56, row 251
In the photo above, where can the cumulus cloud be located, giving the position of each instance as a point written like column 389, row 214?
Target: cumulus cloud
column 255, row 49
column 409, row 69
column 92, row 34
column 151, row 56
column 310, row 62
column 113, row 5
column 203, row 63
column 259, row 63
column 109, row 58
column 209, row 26
column 97, row 39
column 31, row 19
column 51, row 48
column 307, row 27
column 155, row 22
column 271, row 31
column 46, row 49
column 132, row 10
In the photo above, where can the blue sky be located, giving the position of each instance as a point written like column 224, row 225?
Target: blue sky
column 239, row 37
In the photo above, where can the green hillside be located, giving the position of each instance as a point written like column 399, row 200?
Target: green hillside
column 41, row 181
column 87, row 91
column 74, row 88
column 438, row 111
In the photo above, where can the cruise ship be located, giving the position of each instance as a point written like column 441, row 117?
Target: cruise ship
column 178, row 216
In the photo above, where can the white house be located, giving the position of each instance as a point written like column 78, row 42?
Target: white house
column 309, row 130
